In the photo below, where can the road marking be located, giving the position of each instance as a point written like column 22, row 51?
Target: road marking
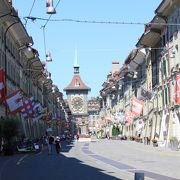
column 21, row 159
column 38, row 153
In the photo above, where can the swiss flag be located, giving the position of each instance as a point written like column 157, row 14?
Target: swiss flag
column 15, row 102
column 2, row 86
column 137, row 106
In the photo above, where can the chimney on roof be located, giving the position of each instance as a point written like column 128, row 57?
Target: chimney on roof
column 115, row 66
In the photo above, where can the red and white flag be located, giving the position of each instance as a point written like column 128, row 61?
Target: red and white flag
column 137, row 106
column 2, row 86
column 27, row 110
column 129, row 115
column 15, row 102
column 177, row 90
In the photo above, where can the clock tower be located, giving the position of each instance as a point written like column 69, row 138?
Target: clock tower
column 77, row 97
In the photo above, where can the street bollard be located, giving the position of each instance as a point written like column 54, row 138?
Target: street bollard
column 139, row 176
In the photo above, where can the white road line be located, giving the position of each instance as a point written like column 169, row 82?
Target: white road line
column 21, row 159
column 38, row 153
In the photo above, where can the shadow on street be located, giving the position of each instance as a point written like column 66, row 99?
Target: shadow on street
column 53, row 167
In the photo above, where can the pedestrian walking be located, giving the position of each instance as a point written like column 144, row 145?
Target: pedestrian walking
column 43, row 142
column 58, row 144
column 148, row 140
column 50, row 144
column 107, row 135
column 145, row 140
column 77, row 137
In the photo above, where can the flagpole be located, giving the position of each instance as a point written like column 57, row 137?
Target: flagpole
column 23, row 124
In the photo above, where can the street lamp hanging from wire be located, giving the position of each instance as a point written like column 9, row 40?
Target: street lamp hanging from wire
column 50, row 8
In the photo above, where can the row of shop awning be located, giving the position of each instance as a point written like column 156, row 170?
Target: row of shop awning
column 137, row 56
column 22, row 38
column 135, row 59
column 16, row 27
column 149, row 39
column 152, row 32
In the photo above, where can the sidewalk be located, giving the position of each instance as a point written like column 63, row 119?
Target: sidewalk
column 151, row 148
column 142, row 146
column 129, row 156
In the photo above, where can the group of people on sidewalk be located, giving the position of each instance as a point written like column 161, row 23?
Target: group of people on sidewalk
column 147, row 140
column 51, row 141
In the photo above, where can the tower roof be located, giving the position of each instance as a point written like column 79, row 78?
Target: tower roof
column 77, row 84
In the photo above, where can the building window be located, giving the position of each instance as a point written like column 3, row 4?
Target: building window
column 164, row 67
column 163, row 103
column 77, row 84
column 166, row 96
column 163, row 40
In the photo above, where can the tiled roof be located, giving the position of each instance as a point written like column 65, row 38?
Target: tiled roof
column 77, row 84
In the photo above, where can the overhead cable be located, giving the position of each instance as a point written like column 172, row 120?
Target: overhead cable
column 43, row 27
column 49, row 19
column 30, row 12
column 44, row 39
column 99, row 22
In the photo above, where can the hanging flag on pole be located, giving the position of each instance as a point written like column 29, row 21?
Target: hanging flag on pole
column 137, row 106
column 54, row 116
column 24, row 113
column 119, row 116
column 139, row 125
column 27, row 110
column 2, row 86
column 144, row 93
column 37, row 111
column 177, row 90
column 129, row 115
column 15, row 102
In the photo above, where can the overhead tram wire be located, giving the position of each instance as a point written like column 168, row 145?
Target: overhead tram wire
column 99, row 22
column 44, row 40
column 26, row 20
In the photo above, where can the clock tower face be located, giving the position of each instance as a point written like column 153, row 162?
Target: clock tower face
column 77, row 104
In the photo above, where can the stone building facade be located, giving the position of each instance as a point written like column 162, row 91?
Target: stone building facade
column 151, row 74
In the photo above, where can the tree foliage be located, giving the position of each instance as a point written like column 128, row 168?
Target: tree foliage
column 9, row 128
column 115, row 131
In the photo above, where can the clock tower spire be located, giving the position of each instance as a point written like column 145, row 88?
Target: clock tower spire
column 76, row 66
column 77, row 97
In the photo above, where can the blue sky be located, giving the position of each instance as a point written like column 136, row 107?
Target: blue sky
column 97, row 44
